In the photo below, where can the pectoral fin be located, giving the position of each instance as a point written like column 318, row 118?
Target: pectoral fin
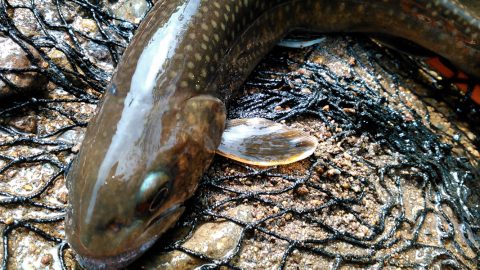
column 298, row 43
column 262, row 142
column 299, row 40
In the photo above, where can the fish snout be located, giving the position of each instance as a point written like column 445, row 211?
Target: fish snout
column 114, row 244
column 109, row 246
column 114, row 262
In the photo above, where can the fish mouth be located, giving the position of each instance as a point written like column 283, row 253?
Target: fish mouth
column 114, row 262
column 155, row 228
column 165, row 215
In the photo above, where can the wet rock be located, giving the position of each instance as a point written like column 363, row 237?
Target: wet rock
column 63, row 197
column 213, row 239
column 86, row 25
column 47, row 259
column 59, row 58
column 25, row 22
column 27, row 124
column 12, row 56
column 130, row 10
column 302, row 191
column 72, row 136
column 9, row 221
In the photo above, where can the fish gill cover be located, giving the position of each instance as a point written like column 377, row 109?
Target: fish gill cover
column 393, row 183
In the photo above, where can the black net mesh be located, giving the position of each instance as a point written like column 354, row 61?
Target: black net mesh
column 394, row 182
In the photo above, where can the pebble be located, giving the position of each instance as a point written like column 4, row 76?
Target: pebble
column 25, row 22
column 320, row 59
column 302, row 191
column 352, row 61
column 46, row 259
column 88, row 25
column 347, row 156
column 345, row 185
column 13, row 56
column 319, row 169
column 315, row 202
column 63, row 197
column 349, row 110
column 59, row 58
column 26, row 124
column 130, row 10
column 306, row 91
column 76, row 148
column 333, row 172
column 9, row 221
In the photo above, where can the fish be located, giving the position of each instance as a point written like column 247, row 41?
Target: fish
column 163, row 115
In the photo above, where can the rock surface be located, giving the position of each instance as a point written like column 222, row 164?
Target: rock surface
column 217, row 240
column 129, row 10
column 16, row 65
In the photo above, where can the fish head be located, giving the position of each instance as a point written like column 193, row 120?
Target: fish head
column 131, row 179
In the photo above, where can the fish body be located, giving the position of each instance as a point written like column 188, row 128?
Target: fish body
column 163, row 114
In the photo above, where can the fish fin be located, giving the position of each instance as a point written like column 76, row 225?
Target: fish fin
column 402, row 45
column 204, row 118
column 261, row 142
column 299, row 43
column 301, row 39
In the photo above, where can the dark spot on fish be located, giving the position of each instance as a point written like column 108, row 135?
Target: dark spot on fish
column 114, row 225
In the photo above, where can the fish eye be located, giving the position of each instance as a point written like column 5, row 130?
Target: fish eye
column 158, row 199
column 153, row 192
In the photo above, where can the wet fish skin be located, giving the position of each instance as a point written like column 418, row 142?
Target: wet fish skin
column 162, row 117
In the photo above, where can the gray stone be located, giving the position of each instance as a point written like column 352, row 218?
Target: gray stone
column 216, row 240
column 130, row 10
column 12, row 56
